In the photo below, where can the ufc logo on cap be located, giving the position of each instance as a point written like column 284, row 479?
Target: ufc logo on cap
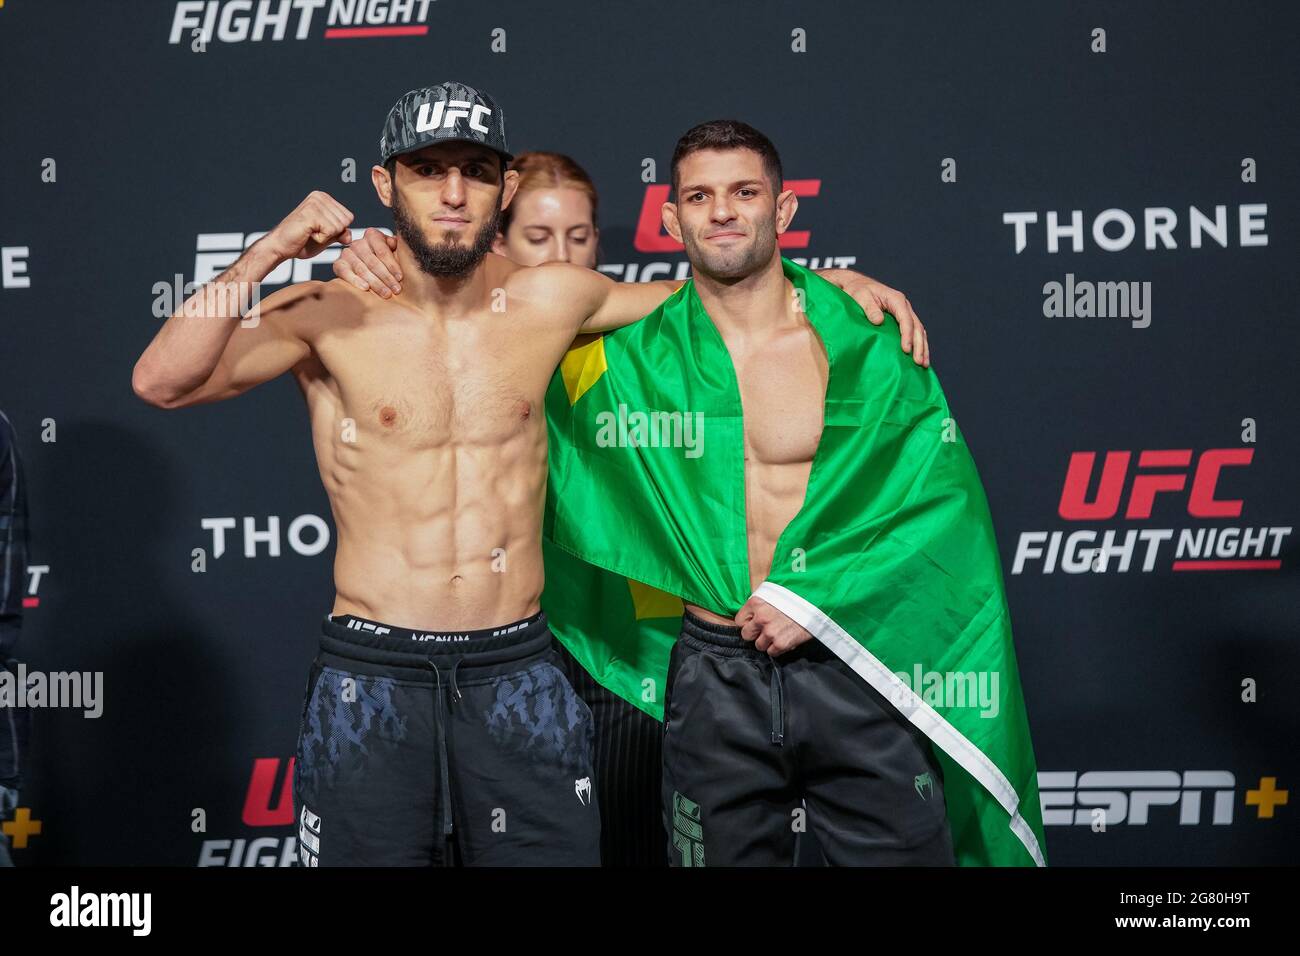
column 439, row 115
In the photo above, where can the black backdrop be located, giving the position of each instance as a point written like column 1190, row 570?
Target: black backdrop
column 163, row 153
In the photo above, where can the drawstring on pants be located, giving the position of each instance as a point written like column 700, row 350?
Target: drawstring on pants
column 776, row 692
column 444, row 729
column 454, row 689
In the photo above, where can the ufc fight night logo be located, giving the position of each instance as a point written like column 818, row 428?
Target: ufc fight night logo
column 200, row 22
column 268, row 804
column 1165, row 475
column 650, row 237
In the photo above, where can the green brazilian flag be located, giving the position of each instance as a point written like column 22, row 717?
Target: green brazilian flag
column 891, row 562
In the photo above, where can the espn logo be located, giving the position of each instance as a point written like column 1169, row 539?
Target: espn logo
column 1128, row 796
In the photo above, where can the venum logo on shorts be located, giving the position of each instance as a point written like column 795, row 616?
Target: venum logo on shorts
column 308, row 838
column 924, row 784
column 440, row 638
column 445, row 113
column 582, row 787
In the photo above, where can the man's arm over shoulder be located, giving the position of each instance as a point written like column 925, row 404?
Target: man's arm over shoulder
column 877, row 299
column 586, row 300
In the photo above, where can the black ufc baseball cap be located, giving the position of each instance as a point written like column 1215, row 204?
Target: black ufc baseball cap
column 446, row 113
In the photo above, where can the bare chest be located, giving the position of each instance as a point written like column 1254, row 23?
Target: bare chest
column 420, row 387
column 783, row 390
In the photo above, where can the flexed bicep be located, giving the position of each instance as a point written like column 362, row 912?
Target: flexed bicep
column 267, row 343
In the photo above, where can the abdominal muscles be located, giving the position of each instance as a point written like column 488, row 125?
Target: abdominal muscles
column 436, row 533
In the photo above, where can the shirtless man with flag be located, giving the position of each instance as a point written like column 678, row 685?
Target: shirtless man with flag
column 436, row 726
column 832, row 539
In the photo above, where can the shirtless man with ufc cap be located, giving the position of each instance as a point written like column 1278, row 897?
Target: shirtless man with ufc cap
column 436, row 727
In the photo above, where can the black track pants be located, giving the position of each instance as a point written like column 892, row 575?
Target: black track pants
column 757, row 749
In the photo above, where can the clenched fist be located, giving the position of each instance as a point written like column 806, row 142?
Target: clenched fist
column 319, row 221
column 769, row 629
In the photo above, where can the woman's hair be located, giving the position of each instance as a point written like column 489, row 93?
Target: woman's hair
column 538, row 170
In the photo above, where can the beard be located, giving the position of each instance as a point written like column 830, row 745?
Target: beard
column 447, row 259
column 738, row 261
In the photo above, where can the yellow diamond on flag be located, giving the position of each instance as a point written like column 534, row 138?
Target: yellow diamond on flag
column 651, row 602
column 583, row 365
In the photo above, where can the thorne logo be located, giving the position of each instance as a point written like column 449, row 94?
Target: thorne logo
column 35, row 574
column 635, row 429
column 1114, row 797
column 1114, row 230
column 445, row 113
column 270, row 537
column 75, row 908
column 1159, row 472
column 13, row 267
column 238, row 21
